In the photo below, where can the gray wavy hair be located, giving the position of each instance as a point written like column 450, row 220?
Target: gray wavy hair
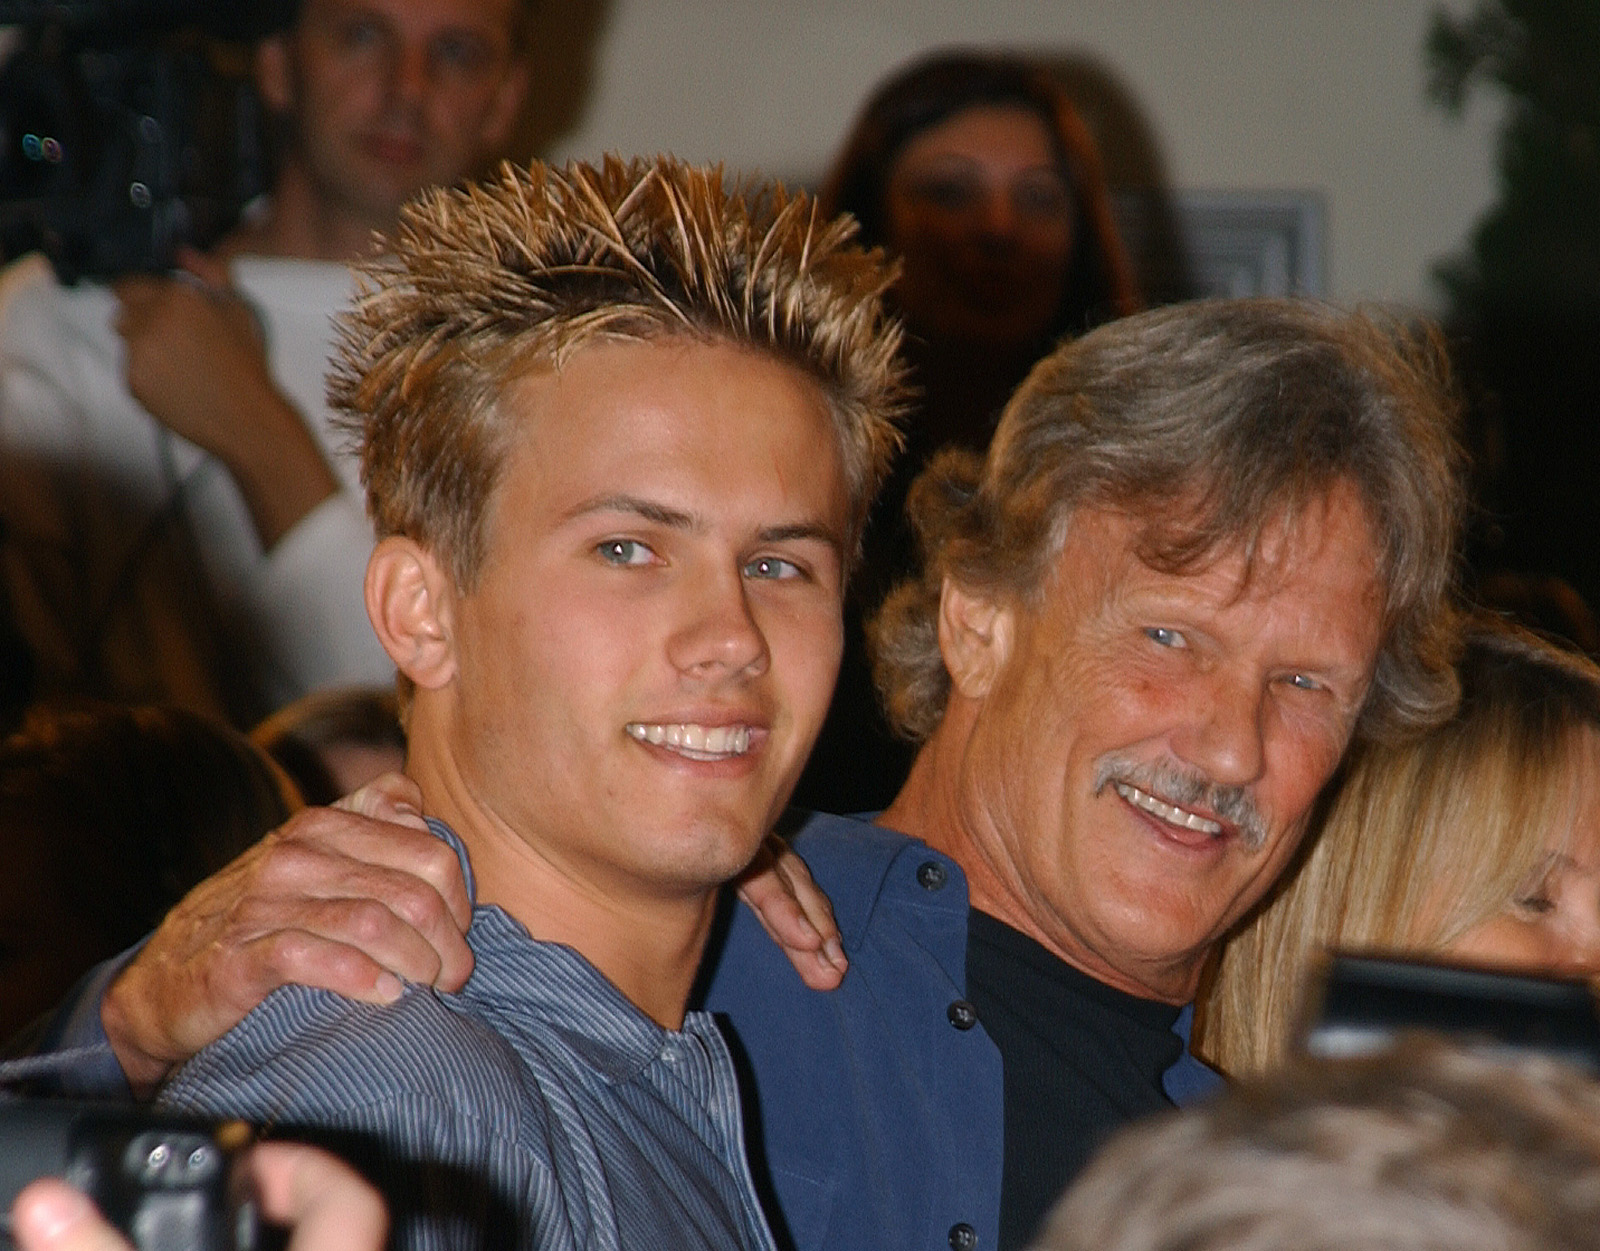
column 1212, row 419
column 1420, row 1148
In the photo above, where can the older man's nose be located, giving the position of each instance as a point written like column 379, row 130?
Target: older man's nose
column 1223, row 736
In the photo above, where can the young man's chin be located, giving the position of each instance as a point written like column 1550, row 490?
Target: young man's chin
column 703, row 852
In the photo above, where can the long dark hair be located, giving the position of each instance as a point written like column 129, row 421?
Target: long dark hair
column 1099, row 280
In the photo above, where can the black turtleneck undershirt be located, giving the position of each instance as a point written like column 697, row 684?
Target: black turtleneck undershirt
column 1080, row 1060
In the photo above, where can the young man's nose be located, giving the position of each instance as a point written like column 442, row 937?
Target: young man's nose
column 717, row 632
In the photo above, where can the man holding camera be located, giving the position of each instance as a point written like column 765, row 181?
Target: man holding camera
column 179, row 521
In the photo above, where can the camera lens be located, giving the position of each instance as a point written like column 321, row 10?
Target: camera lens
column 37, row 152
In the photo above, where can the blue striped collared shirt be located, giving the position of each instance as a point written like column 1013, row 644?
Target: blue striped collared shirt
column 537, row 1108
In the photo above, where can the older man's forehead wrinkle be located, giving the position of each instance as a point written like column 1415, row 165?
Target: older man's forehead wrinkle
column 1188, row 533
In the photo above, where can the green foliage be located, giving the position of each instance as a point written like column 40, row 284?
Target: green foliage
column 1541, row 241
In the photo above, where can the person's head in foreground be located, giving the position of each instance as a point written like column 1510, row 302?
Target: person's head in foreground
column 1209, row 545
column 1479, row 841
column 1423, row 1148
column 621, row 425
column 976, row 171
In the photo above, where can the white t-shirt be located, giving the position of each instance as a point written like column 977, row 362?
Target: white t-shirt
column 131, row 559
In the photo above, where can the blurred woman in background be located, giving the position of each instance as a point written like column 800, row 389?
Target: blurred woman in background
column 975, row 172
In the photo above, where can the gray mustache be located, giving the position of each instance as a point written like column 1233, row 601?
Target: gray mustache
column 1174, row 784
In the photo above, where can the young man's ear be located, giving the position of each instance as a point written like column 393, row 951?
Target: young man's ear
column 975, row 635
column 411, row 603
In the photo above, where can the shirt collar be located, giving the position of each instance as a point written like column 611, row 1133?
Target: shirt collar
column 527, row 985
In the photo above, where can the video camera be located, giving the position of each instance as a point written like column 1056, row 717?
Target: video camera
column 168, row 1183
column 121, row 137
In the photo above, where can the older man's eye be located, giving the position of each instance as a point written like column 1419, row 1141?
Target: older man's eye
column 1304, row 682
column 623, row 552
column 1162, row 636
column 772, row 567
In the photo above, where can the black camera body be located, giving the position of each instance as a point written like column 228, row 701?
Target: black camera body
column 1363, row 1003
column 121, row 137
column 167, row 1183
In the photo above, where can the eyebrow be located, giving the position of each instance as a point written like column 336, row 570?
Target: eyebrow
column 801, row 531
column 660, row 514
column 677, row 519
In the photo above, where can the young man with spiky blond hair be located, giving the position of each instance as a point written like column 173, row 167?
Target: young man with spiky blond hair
column 620, row 429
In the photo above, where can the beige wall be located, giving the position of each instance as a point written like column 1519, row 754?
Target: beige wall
column 1325, row 95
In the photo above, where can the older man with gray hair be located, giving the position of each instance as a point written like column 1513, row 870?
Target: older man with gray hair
column 1209, row 546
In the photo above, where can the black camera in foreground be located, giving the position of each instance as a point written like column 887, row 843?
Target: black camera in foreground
column 167, row 1183
column 1362, row 1004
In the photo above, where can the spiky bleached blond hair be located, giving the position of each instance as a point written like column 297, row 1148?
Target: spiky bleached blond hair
column 486, row 283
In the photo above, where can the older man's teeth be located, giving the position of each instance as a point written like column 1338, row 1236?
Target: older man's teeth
column 697, row 742
column 1169, row 814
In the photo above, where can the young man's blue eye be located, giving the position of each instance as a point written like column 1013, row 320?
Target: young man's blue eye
column 624, row 552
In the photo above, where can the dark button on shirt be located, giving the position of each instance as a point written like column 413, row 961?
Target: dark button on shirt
column 931, row 875
column 962, row 1014
column 963, row 1237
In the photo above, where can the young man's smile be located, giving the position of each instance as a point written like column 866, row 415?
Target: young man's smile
column 650, row 645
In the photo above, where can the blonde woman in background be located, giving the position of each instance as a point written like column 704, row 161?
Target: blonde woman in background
column 1479, row 842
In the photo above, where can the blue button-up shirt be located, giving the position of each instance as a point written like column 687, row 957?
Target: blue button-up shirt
column 879, row 1106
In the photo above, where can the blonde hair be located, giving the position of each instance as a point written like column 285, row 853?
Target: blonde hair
column 485, row 283
column 1213, row 420
column 1419, row 843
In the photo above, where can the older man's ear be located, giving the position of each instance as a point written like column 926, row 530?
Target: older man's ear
column 411, row 602
column 975, row 637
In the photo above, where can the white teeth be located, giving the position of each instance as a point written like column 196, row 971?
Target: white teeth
column 697, row 742
column 1169, row 814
